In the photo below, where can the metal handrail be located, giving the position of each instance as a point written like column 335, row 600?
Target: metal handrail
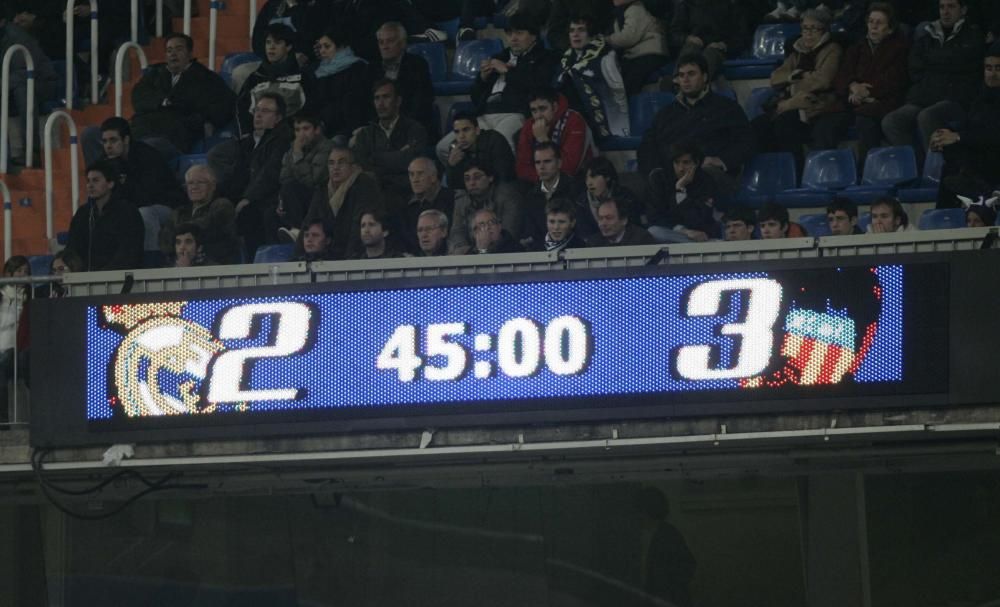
column 8, row 221
column 29, row 131
column 213, row 25
column 159, row 18
column 119, row 66
column 187, row 17
column 134, row 21
column 71, row 51
column 253, row 16
column 74, row 167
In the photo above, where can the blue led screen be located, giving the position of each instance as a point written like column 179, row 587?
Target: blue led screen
column 532, row 341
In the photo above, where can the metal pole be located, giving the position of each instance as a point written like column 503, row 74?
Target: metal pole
column 135, row 21
column 8, row 228
column 69, row 54
column 94, row 53
column 253, row 16
column 213, row 24
column 119, row 66
column 5, row 106
column 187, row 17
column 159, row 18
column 74, row 167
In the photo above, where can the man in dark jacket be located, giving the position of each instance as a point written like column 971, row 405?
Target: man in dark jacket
column 278, row 72
column 489, row 235
column 685, row 212
column 174, row 100
column 505, row 81
column 944, row 70
column 615, row 229
column 340, row 202
column 427, row 193
column 106, row 232
column 972, row 152
column 717, row 123
column 410, row 72
column 552, row 183
column 475, row 145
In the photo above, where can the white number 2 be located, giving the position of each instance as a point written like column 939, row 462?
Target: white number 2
column 291, row 333
column 756, row 331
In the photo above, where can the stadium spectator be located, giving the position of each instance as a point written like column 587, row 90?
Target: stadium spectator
column 339, row 87
column 474, row 145
column 717, row 123
column 173, row 101
column 63, row 263
column 305, row 160
column 842, row 217
column 313, row 241
column 564, row 13
column 638, row 36
column 278, row 73
column 714, row 28
column 410, row 72
column 615, row 229
column 375, row 237
column 189, row 251
column 305, row 18
column 13, row 327
column 870, row 83
column 466, row 11
column 590, row 78
column 113, row 28
column 888, row 216
column 972, row 151
column 47, row 82
column 339, row 203
column 552, row 183
column 145, row 180
column 553, row 121
column 214, row 216
column 981, row 214
column 489, row 235
column 687, row 213
column 739, row 224
column 601, row 183
column 804, row 86
column 426, row 193
column 362, row 18
column 387, row 145
column 944, row 71
column 43, row 19
column 560, row 222
column 484, row 192
column 107, row 231
column 773, row 221
column 432, row 233
column 506, row 79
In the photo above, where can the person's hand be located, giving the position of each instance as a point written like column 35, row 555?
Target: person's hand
column 863, row 90
column 784, row 106
column 686, row 178
column 713, row 161
column 242, row 205
column 499, row 66
column 878, row 228
column 540, row 129
column 695, row 235
column 722, row 46
column 942, row 138
column 486, row 69
column 185, row 259
column 456, row 155
column 81, row 10
column 695, row 40
column 280, row 209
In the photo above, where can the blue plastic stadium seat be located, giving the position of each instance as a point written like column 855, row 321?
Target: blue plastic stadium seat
column 465, row 68
column 768, row 50
column 927, row 189
column 232, row 61
column 642, row 109
column 886, row 170
column 942, row 219
column 764, row 177
column 825, row 174
column 40, row 264
column 434, row 54
column 755, row 102
column 500, row 20
column 187, row 161
column 655, row 75
column 449, row 27
column 274, row 253
column 815, row 224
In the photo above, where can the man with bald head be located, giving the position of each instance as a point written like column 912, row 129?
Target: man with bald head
column 426, row 192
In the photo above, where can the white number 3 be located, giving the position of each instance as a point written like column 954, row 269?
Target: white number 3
column 228, row 374
column 756, row 331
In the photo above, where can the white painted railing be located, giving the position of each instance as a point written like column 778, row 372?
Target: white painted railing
column 8, row 221
column 187, row 17
column 134, row 31
column 253, row 16
column 213, row 25
column 159, row 18
column 71, row 52
column 120, row 66
column 29, row 129
column 55, row 117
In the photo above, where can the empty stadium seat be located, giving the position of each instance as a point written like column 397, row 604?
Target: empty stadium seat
column 815, row 224
column 886, row 170
column 864, row 220
column 942, row 219
column 274, row 253
column 449, row 27
column 927, row 189
column 825, row 174
column 768, row 50
column 642, row 110
column 755, row 102
column 764, row 177
column 187, row 161
column 434, row 54
column 232, row 61
column 465, row 67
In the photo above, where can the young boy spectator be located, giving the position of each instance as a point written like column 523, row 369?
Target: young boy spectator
column 552, row 183
column 687, row 213
column 305, row 160
column 553, row 121
column 473, row 145
column 279, row 72
column 638, row 36
column 188, row 249
column 773, row 221
column 314, row 241
column 560, row 219
column 888, row 216
column 981, row 215
column 590, row 77
column 739, row 224
column 842, row 217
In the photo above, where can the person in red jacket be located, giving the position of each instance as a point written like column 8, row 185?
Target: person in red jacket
column 553, row 121
column 870, row 83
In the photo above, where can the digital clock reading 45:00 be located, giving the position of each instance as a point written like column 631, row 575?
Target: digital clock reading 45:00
column 496, row 342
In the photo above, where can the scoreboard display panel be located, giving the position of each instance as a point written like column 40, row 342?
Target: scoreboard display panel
column 549, row 347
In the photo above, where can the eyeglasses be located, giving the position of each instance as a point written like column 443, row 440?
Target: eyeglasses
column 813, row 28
column 485, row 225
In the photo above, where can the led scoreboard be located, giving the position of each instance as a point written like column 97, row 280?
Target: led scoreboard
column 554, row 347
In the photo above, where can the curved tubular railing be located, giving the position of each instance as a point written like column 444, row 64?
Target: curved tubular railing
column 187, row 17
column 71, row 51
column 253, row 16
column 119, row 66
column 8, row 225
column 74, row 167
column 213, row 25
column 29, row 130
